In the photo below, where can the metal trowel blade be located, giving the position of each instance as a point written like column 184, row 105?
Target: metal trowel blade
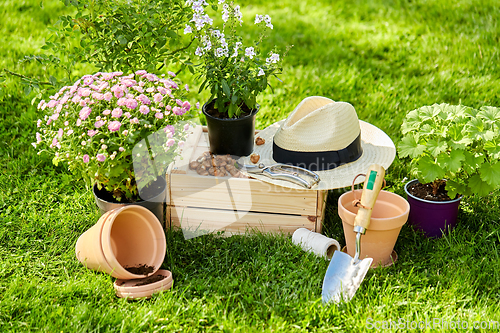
column 343, row 277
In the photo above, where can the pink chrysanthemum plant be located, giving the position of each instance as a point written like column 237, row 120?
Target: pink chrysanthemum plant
column 95, row 125
column 234, row 72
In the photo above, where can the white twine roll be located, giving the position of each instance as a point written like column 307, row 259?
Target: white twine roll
column 316, row 243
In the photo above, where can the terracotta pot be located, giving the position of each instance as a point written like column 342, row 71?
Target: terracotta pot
column 129, row 236
column 433, row 218
column 154, row 204
column 390, row 213
column 131, row 289
column 230, row 136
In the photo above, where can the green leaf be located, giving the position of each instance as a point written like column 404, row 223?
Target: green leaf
column 429, row 112
column 453, row 188
column 490, row 113
column 122, row 40
column 429, row 170
column 490, row 173
column 493, row 149
column 225, row 88
column 436, row 147
column 478, row 186
column 410, row 147
column 452, row 161
column 472, row 162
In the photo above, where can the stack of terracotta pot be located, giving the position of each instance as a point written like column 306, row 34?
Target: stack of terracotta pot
column 129, row 244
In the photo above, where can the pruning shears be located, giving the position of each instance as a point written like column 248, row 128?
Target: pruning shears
column 285, row 172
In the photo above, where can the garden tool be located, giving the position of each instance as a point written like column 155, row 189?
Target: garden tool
column 286, row 172
column 345, row 274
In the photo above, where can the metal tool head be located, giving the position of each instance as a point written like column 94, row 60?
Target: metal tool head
column 285, row 172
column 343, row 277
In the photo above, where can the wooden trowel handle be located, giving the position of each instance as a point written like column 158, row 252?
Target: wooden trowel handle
column 371, row 189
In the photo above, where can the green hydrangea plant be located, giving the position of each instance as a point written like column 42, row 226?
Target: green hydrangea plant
column 456, row 144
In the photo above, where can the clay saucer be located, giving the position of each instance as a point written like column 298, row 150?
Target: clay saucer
column 145, row 287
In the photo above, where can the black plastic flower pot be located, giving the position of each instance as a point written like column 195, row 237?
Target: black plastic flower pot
column 230, row 136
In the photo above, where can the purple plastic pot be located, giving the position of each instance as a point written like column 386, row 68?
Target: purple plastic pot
column 434, row 218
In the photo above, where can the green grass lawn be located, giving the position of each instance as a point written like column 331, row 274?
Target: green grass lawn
column 385, row 58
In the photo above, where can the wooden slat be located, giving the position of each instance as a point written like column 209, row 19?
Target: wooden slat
column 204, row 220
column 193, row 190
column 320, row 212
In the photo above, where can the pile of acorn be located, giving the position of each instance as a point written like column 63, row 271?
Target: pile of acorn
column 215, row 165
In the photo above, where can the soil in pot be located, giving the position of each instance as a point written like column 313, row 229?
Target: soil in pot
column 140, row 269
column 155, row 188
column 149, row 280
column 245, row 111
column 425, row 192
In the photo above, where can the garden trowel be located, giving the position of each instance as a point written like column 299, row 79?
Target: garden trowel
column 345, row 274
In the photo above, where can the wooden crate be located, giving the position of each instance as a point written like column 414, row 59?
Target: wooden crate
column 234, row 205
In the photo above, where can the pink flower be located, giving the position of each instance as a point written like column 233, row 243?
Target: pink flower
column 101, row 157
column 78, row 122
column 86, row 158
column 181, row 144
column 144, row 109
column 186, row 106
column 170, row 142
column 129, row 82
column 117, row 73
column 159, row 115
column 54, row 116
column 70, row 132
column 60, row 133
column 151, row 77
column 76, row 99
column 157, row 98
column 114, row 126
column 178, row 111
column 179, row 102
column 168, row 107
column 125, row 132
column 150, row 89
column 127, row 114
column 121, row 149
column 107, row 76
column 106, row 112
column 84, row 92
column 108, row 96
column 85, row 112
column 143, row 99
column 98, row 96
column 91, row 133
column 122, row 101
column 131, row 103
column 162, row 90
column 88, row 80
column 73, row 89
column 103, row 86
column 119, row 94
column 138, row 89
column 169, row 129
column 64, row 99
column 141, row 72
column 83, row 103
column 186, row 127
column 39, row 123
column 117, row 113
column 52, row 104
column 172, row 74
column 54, row 142
column 134, row 120
column 186, row 87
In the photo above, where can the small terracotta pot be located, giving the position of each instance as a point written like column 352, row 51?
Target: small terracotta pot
column 390, row 213
column 130, row 289
column 130, row 236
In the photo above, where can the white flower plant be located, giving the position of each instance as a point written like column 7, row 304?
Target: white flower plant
column 235, row 73
column 96, row 125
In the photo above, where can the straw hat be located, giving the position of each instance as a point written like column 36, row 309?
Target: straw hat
column 325, row 137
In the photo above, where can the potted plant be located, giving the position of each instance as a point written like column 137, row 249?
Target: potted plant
column 455, row 152
column 234, row 74
column 117, row 132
